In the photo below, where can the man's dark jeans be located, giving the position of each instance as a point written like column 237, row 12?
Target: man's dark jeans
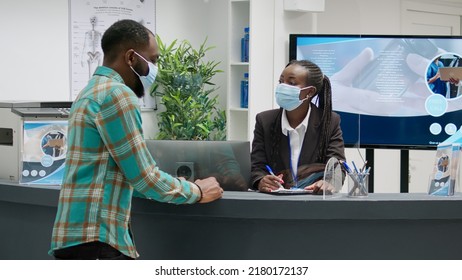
column 90, row 251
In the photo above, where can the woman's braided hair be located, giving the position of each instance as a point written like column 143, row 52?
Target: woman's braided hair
column 315, row 78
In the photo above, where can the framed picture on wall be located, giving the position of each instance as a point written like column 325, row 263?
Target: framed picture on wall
column 88, row 20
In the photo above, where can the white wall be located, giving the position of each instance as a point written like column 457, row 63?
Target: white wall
column 360, row 17
column 34, row 50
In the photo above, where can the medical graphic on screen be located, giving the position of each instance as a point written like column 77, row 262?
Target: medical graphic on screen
column 391, row 91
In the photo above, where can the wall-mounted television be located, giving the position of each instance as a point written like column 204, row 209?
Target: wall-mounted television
column 386, row 88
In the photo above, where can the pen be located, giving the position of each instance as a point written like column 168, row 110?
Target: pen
column 272, row 173
column 354, row 166
column 364, row 166
column 367, row 170
column 345, row 165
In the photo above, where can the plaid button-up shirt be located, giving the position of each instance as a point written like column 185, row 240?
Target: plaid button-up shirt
column 107, row 160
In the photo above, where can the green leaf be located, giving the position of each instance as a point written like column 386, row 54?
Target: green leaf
column 185, row 87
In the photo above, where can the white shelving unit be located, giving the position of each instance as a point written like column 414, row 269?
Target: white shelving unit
column 259, row 16
column 239, row 18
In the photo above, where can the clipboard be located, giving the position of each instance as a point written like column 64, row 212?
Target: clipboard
column 450, row 72
column 290, row 192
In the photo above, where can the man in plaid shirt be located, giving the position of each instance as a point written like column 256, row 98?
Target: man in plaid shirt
column 107, row 159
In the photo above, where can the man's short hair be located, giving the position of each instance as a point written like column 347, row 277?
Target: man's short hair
column 123, row 35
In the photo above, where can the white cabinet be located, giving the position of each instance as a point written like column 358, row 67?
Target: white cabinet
column 258, row 16
column 237, row 124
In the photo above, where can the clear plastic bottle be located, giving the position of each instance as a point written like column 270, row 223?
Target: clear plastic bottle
column 245, row 91
column 245, row 46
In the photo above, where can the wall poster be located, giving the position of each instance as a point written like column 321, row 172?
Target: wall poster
column 88, row 19
column 44, row 152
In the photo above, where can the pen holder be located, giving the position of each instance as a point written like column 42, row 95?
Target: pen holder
column 358, row 184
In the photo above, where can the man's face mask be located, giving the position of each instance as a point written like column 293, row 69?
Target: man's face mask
column 149, row 79
column 288, row 97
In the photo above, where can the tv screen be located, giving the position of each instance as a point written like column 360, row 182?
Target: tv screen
column 390, row 91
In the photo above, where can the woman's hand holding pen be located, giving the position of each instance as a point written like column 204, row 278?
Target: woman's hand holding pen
column 270, row 182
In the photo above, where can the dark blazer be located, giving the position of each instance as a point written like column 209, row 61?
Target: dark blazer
column 263, row 137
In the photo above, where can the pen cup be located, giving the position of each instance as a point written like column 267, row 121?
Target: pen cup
column 358, row 184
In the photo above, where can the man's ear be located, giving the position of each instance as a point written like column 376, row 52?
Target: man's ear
column 130, row 57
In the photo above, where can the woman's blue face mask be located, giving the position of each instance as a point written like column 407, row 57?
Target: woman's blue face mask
column 288, row 97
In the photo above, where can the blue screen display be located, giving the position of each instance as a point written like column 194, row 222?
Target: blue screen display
column 390, row 91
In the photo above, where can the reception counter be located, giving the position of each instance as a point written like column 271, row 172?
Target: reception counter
column 249, row 225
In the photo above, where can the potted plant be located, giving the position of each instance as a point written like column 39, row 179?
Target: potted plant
column 184, row 84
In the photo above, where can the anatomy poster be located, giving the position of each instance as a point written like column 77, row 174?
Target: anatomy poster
column 88, row 21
